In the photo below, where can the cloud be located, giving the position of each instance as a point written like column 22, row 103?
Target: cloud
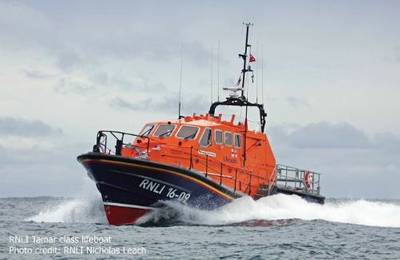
column 167, row 104
column 325, row 135
column 36, row 74
column 387, row 141
column 68, row 85
column 101, row 82
column 72, row 47
column 296, row 102
column 353, row 163
column 121, row 103
column 23, row 27
column 190, row 104
column 397, row 53
column 69, row 60
column 38, row 171
column 10, row 126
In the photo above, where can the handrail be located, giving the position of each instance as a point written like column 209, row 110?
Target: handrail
column 119, row 141
column 293, row 178
column 205, row 162
column 182, row 152
column 185, row 153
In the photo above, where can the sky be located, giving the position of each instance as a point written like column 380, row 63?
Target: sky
column 328, row 73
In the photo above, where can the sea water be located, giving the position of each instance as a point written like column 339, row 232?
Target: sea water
column 276, row 227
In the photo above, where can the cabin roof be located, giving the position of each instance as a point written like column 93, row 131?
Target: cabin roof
column 201, row 121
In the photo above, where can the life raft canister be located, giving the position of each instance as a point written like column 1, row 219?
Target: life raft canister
column 308, row 180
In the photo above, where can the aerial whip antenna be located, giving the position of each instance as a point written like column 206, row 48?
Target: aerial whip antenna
column 211, row 74
column 180, row 84
column 257, row 83
column 218, row 49
column 262, row 74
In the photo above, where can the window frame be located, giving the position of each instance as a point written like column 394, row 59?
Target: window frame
column 222, row 137
column 228, row 145
column 151, row 131
column 211, row 139
column 240, row 141
column 183, row 138
column 162, row 124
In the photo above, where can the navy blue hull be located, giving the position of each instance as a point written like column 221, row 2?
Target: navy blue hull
column 141, row 184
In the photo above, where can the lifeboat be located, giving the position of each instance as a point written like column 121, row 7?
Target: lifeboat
column 203, row 161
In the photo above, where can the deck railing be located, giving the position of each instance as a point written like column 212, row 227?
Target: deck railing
column 120, row 141
column 213, row 168
column 286, row 177
column 298, row 179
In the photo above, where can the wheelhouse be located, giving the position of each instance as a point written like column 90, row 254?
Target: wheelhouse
column 198, row 133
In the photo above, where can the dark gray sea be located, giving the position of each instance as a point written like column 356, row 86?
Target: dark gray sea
column 278, row 227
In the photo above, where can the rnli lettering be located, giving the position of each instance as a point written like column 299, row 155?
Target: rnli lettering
column 152, row 186
column 159, row 188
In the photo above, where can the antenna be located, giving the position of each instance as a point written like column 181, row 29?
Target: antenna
column 211, row 74
column 257, row 70
column 218, row 69
column 262, row 74
column 180, row 84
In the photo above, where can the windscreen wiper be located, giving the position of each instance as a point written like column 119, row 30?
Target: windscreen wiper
column 168, row 132
column 190, row 136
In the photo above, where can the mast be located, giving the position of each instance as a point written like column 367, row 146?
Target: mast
column 241, row 101
column 244, row 71
column 244, row 57
column 218, row 70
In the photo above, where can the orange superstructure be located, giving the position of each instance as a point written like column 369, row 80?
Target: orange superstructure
column 211, row 146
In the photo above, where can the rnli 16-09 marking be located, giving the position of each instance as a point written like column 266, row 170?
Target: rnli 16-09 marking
column 164, row 190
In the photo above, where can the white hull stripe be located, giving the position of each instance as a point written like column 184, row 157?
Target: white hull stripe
column 126, row 205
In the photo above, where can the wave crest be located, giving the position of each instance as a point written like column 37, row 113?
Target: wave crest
column 273, row 208
column 282, row 207
column 73, row 211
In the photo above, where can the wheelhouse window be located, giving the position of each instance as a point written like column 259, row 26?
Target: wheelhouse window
column 228, row 139
column 147, row 130
column 238, row 141
column 187, row 132
column 206, row 138
column 218, row 137
column 164, row 130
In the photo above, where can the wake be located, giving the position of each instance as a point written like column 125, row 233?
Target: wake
column 284, row 207
column 272, row 208
column 73, row 211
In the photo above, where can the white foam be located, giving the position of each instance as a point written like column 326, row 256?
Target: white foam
column 275, row 207
column 73, row 211
column 281, row 206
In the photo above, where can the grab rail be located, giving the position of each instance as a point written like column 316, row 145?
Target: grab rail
column 101, row 141
column 286, row 177
column 205, row 161
column 102, row 146
column 289, row 177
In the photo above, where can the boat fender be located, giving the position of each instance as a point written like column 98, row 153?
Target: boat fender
column 307, row 180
